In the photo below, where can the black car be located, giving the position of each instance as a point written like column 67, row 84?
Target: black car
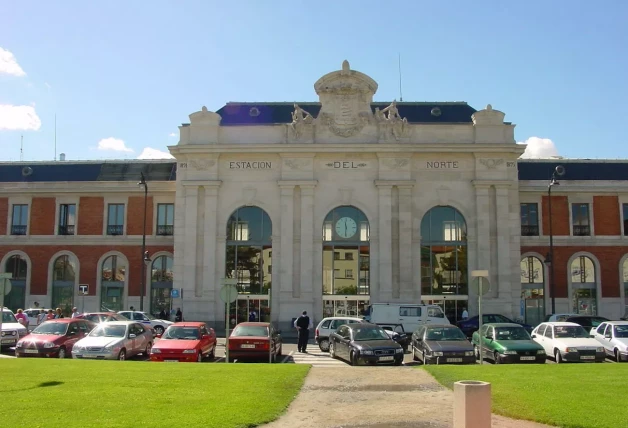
column 364, row 343
column 441, row 344
column 587, row 321
column 471, row 325
column 398, row 334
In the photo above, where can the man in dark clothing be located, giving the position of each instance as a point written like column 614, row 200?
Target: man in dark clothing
column 303, row 325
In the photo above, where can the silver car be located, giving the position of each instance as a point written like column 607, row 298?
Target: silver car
column 116, row 340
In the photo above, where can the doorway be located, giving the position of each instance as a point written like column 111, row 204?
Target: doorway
column 250, row 307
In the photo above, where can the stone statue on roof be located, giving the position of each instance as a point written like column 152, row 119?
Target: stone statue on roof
column 393, row 121
column 300, row 118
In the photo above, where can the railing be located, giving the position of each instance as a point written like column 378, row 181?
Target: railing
column 18, row 230
column 579, row 230
column 115, row 229
column 165, row 230
column 529, row 230
column 67, row 229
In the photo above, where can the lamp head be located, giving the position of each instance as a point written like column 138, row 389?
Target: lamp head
column 560, row 170
column 142, row 181
column 146, row 257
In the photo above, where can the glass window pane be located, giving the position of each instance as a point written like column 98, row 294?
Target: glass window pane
column 249, row 269
column 443, row 224
column 328, row 269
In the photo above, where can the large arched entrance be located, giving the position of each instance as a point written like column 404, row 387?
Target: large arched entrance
column 444, row 279
column 249, row 262
column 112, row 279
column 583, row 286
column 346, row 262
column 533, row 290
column 161, row 278
column 17, row 266
column 64, row 275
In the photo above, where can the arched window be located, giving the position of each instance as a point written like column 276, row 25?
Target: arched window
column 17, row 267
column 533, row 289
column 63, row 282
column 161, row 285
column 112, row 277
column 583, row 286
column 624, row 275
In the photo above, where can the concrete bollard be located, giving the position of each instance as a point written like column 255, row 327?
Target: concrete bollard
column 472, row 404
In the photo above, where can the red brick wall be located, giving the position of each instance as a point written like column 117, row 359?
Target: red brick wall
column 607, row 256
column 90, row 215
column 42, row 221
column 88, row 256
column 4, row 215
column 606, row 215
column 560, row 215
column 135, row 215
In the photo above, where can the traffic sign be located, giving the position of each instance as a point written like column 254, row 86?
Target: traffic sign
column 480, row 285
column 83, row 289
column 228, row 293
column 174, row 293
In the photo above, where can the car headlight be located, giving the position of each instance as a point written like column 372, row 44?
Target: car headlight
column 366, row 352
column 437, row 354
column 571, row 349
column 3, row 333
column 76, row 349
column 399, row 351
column 540, row 352
column 600, row 349
column 49, row 345
column 510, row 352
column 19, row 344
column 468, row 353
column 189, row 351
column 155, row 351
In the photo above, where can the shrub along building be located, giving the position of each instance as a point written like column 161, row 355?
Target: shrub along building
column 323, row 207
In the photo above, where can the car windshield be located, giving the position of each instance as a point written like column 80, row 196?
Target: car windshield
column 184, row 333
column 621, row 331
column 511, row 333
column 55, row 328
column 370, row 333
column 250, row 330
column 445, row 333
column 569, row 331
column 109, row 331
column 150, row 317
column 8, row 317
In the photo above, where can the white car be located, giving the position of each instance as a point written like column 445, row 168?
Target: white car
column 568, row 342
column 115, row 340
column 613, row 335
column 147, row 319
column 12, row 331
column 329, row 325
column 33, row 315
column 559, row 317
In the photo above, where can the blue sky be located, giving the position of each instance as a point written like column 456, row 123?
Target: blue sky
column 133, row 71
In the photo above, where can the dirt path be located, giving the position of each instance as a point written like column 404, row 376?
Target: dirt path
column 375, row 397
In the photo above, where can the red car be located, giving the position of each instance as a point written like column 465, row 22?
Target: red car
column 255, row 341
column 185, row 342
column 53, row 338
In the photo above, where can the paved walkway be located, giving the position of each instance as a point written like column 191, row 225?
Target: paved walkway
column 375, row 397
column 315, row 357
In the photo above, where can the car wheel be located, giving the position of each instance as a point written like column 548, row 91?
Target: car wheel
column 122, row 355
column 617, row 356
column 399, row 362
column 280, row 352
column 324, row 345
column 159, row 329
column 199, row 357
column 62, row 353
column 212, row 354
column 352, row 359
column 414, row 357
column 557, row 356
column 476, row 351
column 149, row 346
column 496, row 358
column 332, row 350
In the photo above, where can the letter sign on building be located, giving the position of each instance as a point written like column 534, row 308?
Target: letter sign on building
column 83, row 289
column 250, row 165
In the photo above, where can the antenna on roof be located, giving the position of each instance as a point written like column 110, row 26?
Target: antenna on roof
column 21, row 148
column 400, row 94
column 55, row 136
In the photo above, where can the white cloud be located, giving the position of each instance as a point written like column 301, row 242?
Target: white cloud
column 539, row 148
column 172, row 134
column 150, row 153
column 9, row 65
column 114, row 145
column 14, row 118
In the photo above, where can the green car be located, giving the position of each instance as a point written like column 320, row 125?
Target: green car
column 507, row 343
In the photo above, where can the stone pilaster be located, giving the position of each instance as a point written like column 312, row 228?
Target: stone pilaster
column 503, row 242
column 286, row 238
column 385, row 280
column 483, row 239
column 191, row 235
column 210, row 277
column 406, row 255
column 305, row 286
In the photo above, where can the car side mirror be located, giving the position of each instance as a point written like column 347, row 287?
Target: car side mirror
column 608, row 336
column 591, row 336
column 533, row 336
column 132, row 336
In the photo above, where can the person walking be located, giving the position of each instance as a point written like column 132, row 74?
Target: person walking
column 22, row 318
column 75, row 313
column 465, row 314
column 303, row 325
column 178, row 316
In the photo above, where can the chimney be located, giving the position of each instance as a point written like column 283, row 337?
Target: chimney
column 61, row 156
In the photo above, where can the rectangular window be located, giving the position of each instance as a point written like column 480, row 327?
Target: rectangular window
column 348, row 273
column 529, row 220
column 19, row 221
column 336, row 255
column 165, row 219
column 625, row 218
column 115, row 219
column 348, row 256
column 270, row 269
column 241, row 231
column 67, row 219
column 580, row 218
column 336, row 273
column 412, row 311
column 327, row 231
column 452, row 231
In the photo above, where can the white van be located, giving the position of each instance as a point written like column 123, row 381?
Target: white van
column 410, row 315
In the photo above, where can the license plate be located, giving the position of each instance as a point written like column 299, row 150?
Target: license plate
column 89, row 356
column 8, row 340
column 386, row 358
column 587, row 357
column 171, row 361
column 527, row 358
column 454, row 360
column 31, row 351
column 247, row 346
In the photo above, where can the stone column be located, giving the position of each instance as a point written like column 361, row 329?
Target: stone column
column 503, row 241
column 219, row 264
column 305, row 286
column 191, row 233
column 210, row 278
column 406, row 281
column 483, row 244
column 385, row 242
column 286, row 238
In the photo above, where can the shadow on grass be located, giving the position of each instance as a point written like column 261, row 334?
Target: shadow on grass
column 51, row 383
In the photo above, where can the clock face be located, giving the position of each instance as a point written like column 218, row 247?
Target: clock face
column 346, row 227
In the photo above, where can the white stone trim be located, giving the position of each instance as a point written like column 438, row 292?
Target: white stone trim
column 29, row 267
column 108, row 200
column 622, row 199
column 86, row 240
column 70, row 200
column 19, row 200
column 77, row 276
column 125, row 291
column 598, row 275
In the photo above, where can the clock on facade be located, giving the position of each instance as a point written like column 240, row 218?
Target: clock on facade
column 346, row 227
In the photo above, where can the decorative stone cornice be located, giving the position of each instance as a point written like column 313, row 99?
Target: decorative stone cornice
column 479, row 184
column 204, row 183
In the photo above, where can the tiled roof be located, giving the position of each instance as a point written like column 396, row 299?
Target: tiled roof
column 272, row 113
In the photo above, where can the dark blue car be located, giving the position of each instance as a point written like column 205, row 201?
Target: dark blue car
column 470, row 325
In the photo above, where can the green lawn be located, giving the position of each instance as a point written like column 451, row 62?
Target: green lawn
column 71, row 393
column 566, row 395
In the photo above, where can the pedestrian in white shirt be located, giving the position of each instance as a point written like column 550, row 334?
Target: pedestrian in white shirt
column 75, row 313
column 465, row 314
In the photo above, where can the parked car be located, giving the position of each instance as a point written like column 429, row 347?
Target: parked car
column 115, row 340
column 470, row 325
column 12, row 330
column 613, row 335
column 398, row 334
column 255, row 341
column 185, row 342
column 147, row 319
column 329, row 325
column 98, row 317
column 568, row 342
column 507, row 343
column 441, row 344
column 364, row 343
column 588, row 322
column 33, row 315
column 558, row 317
column 410, row 315
column 54, row 338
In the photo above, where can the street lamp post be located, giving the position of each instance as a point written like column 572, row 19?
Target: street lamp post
column 142, row 183
column 559, row 171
